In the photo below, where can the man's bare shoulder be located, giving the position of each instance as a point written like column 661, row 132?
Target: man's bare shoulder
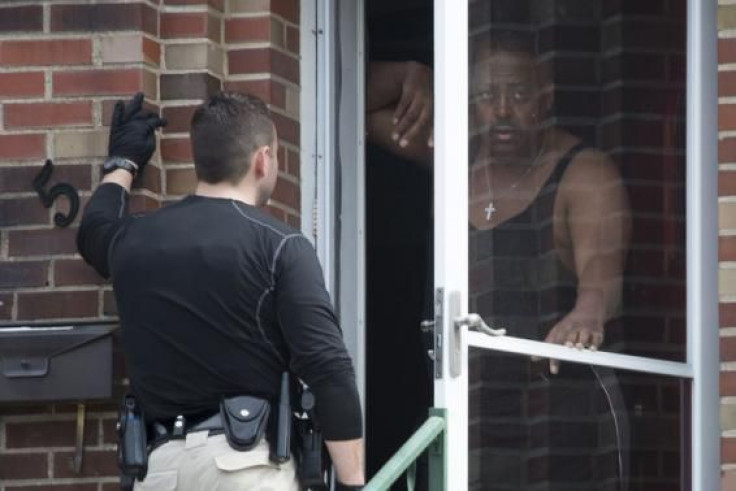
column 591, row 167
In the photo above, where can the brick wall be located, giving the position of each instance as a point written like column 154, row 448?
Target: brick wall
column 62, row 67
column 727, row 234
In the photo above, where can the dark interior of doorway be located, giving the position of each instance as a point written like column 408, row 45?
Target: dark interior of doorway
column 398, row 204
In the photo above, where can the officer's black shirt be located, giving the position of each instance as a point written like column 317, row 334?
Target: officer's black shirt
column 216, row 298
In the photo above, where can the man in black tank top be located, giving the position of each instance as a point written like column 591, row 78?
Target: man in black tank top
column 548, row 233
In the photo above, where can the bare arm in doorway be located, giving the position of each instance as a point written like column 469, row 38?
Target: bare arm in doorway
column 399, row 108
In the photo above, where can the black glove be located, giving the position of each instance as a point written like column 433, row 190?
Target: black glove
column 347, row 487
column 132, row 131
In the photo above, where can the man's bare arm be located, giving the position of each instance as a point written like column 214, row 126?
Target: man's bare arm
column 597, row 215
column 347, row 457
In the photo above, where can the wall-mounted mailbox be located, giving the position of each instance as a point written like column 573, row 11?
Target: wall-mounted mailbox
column 53, row 363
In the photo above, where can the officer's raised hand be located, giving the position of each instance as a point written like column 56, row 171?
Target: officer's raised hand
column 132, row 134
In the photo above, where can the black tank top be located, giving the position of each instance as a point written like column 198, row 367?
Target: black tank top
column 517, row 280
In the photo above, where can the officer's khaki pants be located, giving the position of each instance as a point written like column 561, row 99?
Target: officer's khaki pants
column 207, row 463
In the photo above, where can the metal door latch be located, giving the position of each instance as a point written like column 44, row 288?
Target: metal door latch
column 476, row 323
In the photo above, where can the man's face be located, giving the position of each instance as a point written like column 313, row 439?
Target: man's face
column 508, row 105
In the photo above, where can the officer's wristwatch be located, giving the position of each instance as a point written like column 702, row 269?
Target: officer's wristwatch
column 113, row 163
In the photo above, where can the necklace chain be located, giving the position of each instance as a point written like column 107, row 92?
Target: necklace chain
column 491, row 208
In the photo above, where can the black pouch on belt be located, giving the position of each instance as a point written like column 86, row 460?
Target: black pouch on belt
column 244, row 419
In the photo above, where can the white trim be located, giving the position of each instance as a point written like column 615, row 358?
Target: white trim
column 451, row 219
column 510, row 344
column 701, row 240
column 308, row 115
column 350, row 129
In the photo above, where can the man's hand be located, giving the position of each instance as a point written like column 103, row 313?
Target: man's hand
column 132, row 131
column 414, row 111
column 581, row 329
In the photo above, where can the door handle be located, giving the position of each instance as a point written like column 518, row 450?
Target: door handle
column 476, row 323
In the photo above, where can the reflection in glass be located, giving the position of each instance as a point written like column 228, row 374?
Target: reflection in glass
column 576, row 228
column 599, row 430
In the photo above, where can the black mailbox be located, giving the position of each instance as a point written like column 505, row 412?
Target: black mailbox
column 54, row 363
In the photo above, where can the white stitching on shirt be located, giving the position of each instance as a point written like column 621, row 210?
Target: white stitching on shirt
column 271, row 287
column 235, row 205
column 277, row 253
column 122, row 202
column 260, row 328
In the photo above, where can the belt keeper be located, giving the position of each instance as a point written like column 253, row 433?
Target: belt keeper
column 178, row 431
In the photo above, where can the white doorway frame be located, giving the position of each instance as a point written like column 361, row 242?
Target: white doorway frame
column 451, row 247
column 451, row 70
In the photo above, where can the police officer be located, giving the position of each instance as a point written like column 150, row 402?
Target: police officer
column 217, row 299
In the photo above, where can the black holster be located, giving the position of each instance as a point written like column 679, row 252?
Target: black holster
column 312, row 462
column 132, row 451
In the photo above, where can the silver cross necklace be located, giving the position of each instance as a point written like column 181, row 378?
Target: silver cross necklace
column 491, row 208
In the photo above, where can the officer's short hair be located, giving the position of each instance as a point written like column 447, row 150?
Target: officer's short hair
column 226, row 129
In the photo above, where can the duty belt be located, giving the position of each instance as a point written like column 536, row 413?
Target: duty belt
column 164, row 431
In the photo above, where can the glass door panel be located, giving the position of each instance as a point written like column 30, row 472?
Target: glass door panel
column 577, row 172
column 588, row 428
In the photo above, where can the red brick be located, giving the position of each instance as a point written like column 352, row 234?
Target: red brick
column 152, row 50
column 727, row 314
column 288, row 9
column 22, row 147
column 75, row 272
column 98, row 82
column 6, row 306
column 726, row 117
column 215, row 4
column 179, row 118
column 727, row 50
column 22, row 211
column 57, row 305
column 727, row 150
column 727, row 248
column 293, row 40
column 270, row 91
column 727, row 183
column 140, row 203
column 728, row 349
column 17, row 179
column 287, row 193
column 104, row 17
column 176, row 150
column 28, row 18
column 263, row 60
column 47, row 114
column 726, row 84
column 727, row 384
column 41, row 242
column 109, row 433
column 248, row 29
column 47, row 434
column 19, row 274
column 180, row 181
column 294, row 160
column 184, row 25
column 286, row 128
column 23, row 466
column 151, row 179
column 97, row 463
column 46, row 52
column 728, row 450
column 22, row 84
